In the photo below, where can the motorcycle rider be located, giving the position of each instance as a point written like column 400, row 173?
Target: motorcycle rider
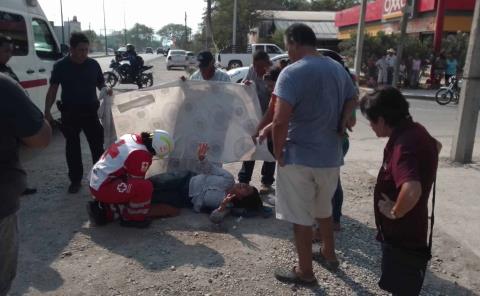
column 136, row 62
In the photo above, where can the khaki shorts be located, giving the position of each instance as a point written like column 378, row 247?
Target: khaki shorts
column 305, row 194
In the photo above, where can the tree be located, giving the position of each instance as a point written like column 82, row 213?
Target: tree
column 296, row 5
column 175, row 32
column 332, row 5
column 140, row 35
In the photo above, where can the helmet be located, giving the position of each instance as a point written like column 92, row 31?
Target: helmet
column 130, row 47
column 162, row 143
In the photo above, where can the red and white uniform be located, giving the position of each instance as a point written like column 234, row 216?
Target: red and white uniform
column 118, row 178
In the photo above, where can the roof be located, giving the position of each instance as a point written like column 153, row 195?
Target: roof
column 321, row 22
column 316, row 16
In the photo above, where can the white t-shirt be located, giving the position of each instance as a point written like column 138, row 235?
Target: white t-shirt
column 219, row 75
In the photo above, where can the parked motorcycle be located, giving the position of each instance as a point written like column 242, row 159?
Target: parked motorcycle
column 450, row 93
column 121, row 74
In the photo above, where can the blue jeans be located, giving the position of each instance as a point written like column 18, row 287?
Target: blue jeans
column 337, row 200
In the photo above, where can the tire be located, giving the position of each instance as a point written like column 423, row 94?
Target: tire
column 110, row 79
column 444, row 96
column 146, row 80
column 168, row 68
column 234, row 64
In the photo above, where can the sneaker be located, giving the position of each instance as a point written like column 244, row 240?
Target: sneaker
column 96, row 214
column 135, row 224
column 74, row 187
column 217, row 216
column 265, row 189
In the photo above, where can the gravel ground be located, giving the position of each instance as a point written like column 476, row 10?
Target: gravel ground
column 61, row 254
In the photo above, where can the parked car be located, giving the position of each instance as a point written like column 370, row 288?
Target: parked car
column 192, row 58
column 160, row 50
column 148, row 50
column 177, row 58
column 238, row 74
column 235, row 60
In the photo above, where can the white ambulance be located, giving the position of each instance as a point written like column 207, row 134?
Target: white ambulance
column 35, row 46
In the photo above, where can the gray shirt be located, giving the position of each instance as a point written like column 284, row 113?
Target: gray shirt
column 262, row 90
column 316, row 87
column 209, row 188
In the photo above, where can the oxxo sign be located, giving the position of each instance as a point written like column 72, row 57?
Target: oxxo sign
column 393, row 8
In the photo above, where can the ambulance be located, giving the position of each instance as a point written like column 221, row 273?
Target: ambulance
column 35, row 46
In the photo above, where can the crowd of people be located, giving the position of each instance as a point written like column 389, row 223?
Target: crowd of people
column 379, row 71
column 308, row 106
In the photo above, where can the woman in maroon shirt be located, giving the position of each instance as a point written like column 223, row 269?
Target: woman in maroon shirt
column 402, row 190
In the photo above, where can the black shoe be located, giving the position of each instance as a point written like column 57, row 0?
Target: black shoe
column 96, row 213
column 135, row 224
column 29, row 191
column 74, row 187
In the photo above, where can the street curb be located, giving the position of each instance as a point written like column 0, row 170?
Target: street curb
column 408, row 96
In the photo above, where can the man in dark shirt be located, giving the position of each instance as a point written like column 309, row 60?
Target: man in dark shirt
column 20, row 123
column 6, row 51
column 402, row 190
column 79, row 77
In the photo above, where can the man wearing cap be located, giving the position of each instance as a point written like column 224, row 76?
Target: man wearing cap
column 207, row 70
column 391, row 59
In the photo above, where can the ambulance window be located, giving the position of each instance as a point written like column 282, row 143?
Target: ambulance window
column 14, row 26
column 45, row 45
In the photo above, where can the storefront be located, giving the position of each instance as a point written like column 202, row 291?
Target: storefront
column 384, row 15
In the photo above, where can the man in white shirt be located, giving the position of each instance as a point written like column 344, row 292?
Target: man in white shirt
column 207, row 70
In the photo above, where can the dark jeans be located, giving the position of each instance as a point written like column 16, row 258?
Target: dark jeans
column 390, row 75
column 172, row 189
column 268, row 170
column 337, row 200
column 72, row 125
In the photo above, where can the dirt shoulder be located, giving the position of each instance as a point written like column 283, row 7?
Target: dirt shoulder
column 61, row 254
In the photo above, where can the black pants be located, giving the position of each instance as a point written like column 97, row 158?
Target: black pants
column 72, row 125
column 268, row 170
column 402, row 274
column 172, row 188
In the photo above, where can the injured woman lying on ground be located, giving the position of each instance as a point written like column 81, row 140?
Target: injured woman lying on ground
column 208, row 189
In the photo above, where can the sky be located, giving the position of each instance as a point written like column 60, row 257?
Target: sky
column 153, row 13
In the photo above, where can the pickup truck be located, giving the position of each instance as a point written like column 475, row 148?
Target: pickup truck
column 235, row 60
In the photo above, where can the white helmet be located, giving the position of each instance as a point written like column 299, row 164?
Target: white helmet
column 162, row 143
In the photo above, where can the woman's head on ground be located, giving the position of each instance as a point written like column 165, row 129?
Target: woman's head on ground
column 385, row 108
column 246, row 196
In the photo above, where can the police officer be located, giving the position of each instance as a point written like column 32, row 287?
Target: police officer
column 78, row 75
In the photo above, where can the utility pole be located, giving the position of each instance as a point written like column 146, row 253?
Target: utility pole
column 186, row 31
column 464, row 138
column 105, row 28
column 124, row 24
column 234, row 31
column 209, row 24
column 360, row 38
column 61, row 19
column 403, row 33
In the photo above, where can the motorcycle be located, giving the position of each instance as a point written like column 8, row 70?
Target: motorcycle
column 121, row 74
column 450, row 93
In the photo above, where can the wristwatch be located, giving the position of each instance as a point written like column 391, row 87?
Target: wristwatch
column 392, row 212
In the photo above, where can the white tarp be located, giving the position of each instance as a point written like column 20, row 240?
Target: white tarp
column 224, row 115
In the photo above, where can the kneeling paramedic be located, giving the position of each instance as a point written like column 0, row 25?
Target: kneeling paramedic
column 117, row 180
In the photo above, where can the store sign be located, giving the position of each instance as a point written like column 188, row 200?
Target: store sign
column 393, row 8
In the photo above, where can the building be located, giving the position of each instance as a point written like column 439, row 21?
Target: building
column 69, row 27
column 322, row 23
column 384, row 15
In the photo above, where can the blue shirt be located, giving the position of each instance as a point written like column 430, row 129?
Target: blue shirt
column 316, row 87
column 451, row 67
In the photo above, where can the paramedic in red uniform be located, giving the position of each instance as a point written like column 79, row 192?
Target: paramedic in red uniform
column 117, row 180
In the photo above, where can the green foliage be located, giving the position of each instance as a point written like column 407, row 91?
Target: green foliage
column 296, row 5
column 177, row 32
column 276, row 38
column 377, row 45
column 140, row 35
column 332, row 5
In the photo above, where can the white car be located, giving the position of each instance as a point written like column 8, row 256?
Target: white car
column 238, row 74
column 177, row 58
